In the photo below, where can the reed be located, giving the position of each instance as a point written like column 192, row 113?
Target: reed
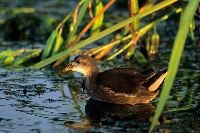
column 103, row 33
column 179, row 43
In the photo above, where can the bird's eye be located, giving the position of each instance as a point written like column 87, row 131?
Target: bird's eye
column 78, row 61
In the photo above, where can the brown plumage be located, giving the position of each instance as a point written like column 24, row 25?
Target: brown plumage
column 118, row 85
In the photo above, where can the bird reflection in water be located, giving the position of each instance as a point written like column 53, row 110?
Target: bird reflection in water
column 122, row 117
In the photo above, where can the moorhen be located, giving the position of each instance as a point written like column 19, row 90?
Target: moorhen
column 118, row 85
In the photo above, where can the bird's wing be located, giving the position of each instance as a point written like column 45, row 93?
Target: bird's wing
column 122, row 80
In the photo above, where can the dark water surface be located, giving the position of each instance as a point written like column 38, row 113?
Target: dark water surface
column 30, row 101
column 42, row 101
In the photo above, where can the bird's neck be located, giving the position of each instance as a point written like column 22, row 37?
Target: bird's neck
column 91, row 78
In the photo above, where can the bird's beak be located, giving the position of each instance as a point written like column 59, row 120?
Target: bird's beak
column 68, row 68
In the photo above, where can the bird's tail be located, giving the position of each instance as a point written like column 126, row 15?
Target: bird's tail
column 156, row 80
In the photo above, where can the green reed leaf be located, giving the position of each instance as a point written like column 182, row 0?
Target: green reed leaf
column 102, row 34
column 79, row 18
column 175, row 57
column 99, row 22
column 49, row 44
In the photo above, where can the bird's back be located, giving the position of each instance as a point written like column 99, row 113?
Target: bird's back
column 125, row 80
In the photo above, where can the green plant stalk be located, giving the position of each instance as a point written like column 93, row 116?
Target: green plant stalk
column 141, row 60
column 49, row 44
column 102, row 34
column 62, row 23
column 111, row 44
column 18, row 52
column 9, row 60
column 134, row 26
column 71, row 13
column 175, row 57
column 80, row 17
column 58, row 42
column 24, row 10
column 96, row 27
column 190, row 93
column 130, row 51
column 18, row 10
column 142, row 31
column 195, row 75
column 29, row 56
column 121, row 49
column 148, row 5
column 64, row 20
column 5, row 54
column 184, row 108
column 155, row 41
column 165, row 17
column 136, row 23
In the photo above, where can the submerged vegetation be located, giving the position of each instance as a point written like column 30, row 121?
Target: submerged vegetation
column 127, row 36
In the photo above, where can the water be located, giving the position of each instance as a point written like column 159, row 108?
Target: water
column 29, row 101
column 45, row 101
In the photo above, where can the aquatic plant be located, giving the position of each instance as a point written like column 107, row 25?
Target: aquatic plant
column 128, row 37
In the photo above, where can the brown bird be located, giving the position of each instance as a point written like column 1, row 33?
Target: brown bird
column 118, row 85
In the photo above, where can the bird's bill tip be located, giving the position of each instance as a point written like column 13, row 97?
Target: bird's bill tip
column 68, row 68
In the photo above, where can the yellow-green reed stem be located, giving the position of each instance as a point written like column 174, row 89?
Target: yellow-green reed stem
column 96, row 27
column 111, row 44
column 29, row 56
column 18, row 10
column 142, row 31
column 174, row 61
column 195, row 75
column 67, row 17
column 80, row 16
column 120, row 50
column 64, row 20
column 165, row 17
column 91, row 39
column 136, row 23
